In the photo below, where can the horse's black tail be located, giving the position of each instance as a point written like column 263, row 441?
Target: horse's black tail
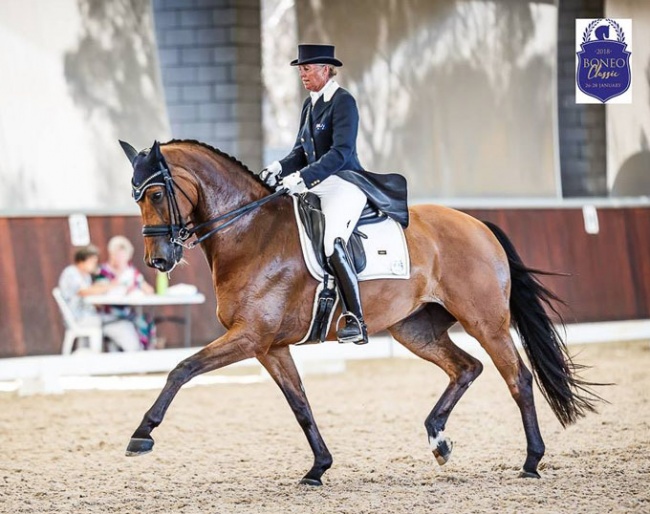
column 555, row 373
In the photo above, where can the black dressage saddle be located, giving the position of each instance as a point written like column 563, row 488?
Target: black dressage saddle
column 313, row 220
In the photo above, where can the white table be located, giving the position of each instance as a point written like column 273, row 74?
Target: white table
column 138, row 301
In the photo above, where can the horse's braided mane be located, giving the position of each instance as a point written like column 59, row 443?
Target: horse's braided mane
column 222, row 154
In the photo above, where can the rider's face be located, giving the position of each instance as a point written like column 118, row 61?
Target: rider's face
column 313, row 76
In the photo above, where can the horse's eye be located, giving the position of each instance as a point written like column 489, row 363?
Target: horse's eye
column 157, row 196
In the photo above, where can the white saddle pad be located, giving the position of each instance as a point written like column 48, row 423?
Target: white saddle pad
column 386, row 250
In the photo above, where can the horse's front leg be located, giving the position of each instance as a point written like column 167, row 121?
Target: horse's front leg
column 232, row 347
column 279, row 363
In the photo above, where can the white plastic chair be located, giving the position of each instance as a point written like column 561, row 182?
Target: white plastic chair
column 74, row 329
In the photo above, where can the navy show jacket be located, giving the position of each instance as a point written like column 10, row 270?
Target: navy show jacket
column 327, row 144
column 327, row 139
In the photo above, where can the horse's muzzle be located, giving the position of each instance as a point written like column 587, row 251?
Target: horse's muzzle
column 160, row 264
column 164, row 258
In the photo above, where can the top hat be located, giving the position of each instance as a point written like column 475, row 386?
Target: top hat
column 316, row 54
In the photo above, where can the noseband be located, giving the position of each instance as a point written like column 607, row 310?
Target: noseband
column 177, row 230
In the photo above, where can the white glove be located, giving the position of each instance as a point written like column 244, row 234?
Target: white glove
column 294, row 183
column 269, row 175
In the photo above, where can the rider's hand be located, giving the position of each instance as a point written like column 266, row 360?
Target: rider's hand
column 294, row 183
column 269, row 175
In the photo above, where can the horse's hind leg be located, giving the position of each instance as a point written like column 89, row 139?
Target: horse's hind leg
column 280, row 365
column 499, row 345
column 425, row 334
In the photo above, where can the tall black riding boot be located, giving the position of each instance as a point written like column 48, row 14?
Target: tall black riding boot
column 340, row 263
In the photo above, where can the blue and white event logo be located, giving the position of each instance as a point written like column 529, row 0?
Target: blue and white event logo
column 604, row 70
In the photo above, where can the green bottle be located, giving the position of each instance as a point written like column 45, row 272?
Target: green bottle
column 162, row 282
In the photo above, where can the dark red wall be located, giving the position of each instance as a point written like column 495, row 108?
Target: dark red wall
column 610, row 271
column 35, row 252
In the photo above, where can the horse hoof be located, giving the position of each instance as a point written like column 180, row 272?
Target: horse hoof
column 529, row 474
column 442, row 447
column 138, row 446
column 314, row 482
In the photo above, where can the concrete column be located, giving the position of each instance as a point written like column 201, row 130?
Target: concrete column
column 210, row 56
column 582, row 129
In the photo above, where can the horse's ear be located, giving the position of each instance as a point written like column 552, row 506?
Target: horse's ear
column 128, row 150
column 156, row 150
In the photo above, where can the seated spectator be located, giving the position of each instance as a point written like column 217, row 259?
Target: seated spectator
column 120, row 272
column 76, row 282
column 119, row 269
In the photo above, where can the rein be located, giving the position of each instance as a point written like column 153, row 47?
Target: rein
column 178, row 231
column 185, row 233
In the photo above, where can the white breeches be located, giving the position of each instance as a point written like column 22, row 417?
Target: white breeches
column 342, row 204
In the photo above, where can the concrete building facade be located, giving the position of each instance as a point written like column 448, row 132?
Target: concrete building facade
column 210, row 59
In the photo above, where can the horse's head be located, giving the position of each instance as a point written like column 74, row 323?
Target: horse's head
column 602, row 32
column 165, row 205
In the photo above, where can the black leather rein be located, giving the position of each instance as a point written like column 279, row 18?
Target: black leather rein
column 177, row 230
column 185, row 233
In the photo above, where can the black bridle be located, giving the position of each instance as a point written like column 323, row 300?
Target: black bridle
column 177, row 230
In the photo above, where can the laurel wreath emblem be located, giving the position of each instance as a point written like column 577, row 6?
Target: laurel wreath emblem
column 620, row 36
column 590, row 28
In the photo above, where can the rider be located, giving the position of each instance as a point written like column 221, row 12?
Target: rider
column 324, row 161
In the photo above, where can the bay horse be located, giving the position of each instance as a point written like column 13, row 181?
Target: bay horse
column 462, row 270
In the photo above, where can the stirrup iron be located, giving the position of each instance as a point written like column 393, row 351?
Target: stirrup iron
column 356, row 338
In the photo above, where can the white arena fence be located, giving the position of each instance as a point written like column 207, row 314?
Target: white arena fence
column 84, row 370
